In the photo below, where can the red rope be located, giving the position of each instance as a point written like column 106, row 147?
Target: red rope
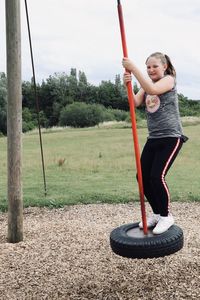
column 133, row 121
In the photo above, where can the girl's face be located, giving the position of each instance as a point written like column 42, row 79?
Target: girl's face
column 155, row 68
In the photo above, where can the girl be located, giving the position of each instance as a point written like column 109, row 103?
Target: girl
column 165, row 133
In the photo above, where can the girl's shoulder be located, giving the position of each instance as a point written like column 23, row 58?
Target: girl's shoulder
column 171, row 78
column 170, row 82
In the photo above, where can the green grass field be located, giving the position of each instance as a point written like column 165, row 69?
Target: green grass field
column 99, row 167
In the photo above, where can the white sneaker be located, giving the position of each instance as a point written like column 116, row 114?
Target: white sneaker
column 151, row 221
column 164, row 224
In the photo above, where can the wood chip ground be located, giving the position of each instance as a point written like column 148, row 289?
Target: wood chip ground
column 66, row 255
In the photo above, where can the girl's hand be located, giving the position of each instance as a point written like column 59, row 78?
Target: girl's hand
column 128, row 64
column 127, row 77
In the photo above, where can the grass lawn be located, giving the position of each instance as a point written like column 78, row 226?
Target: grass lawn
column 99, row 166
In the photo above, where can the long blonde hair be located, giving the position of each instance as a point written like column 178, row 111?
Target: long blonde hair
column 165, row 60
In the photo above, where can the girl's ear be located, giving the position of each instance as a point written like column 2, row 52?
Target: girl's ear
column 165, row 67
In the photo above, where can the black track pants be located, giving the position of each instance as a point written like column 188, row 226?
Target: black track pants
column 156, row 159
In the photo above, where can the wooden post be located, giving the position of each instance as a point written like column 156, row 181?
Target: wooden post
column 14, row 121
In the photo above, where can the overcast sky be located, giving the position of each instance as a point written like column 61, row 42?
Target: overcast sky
column 84, row 34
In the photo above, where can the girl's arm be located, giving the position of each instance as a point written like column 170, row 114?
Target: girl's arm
column 139, row 97
column 163, row 85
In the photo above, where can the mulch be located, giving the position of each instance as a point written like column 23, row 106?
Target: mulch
column 66, row 255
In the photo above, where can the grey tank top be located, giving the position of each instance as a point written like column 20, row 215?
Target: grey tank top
column 163, row 117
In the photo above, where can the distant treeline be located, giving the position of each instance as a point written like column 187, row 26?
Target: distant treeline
column 70, row 100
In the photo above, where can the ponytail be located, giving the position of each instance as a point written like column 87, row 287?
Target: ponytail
column 170, row 68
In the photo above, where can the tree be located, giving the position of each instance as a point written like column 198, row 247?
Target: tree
column 188, row 107
column 55, row 94
column 113, row 94
column 82, row 88
column 82, row 79
column 61, row 90
column 28, row 95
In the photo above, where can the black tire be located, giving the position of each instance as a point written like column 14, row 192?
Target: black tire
column 145, row 246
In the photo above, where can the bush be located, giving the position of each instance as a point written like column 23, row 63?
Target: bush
column 27, row 126
column 3, row 122
column 139, row 113
column 30, row 120
column 120, row 115
column 27, row 120
column 108, row 114
column 111, row 114
column 188, row 107
column 79, row 114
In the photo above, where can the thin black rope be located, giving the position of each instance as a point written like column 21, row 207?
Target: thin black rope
column 36, row 97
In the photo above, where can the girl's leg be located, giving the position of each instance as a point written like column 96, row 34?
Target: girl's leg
column 147, row 159
column 167, row 150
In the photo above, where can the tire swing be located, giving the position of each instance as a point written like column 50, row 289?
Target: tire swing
column 129, row 240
